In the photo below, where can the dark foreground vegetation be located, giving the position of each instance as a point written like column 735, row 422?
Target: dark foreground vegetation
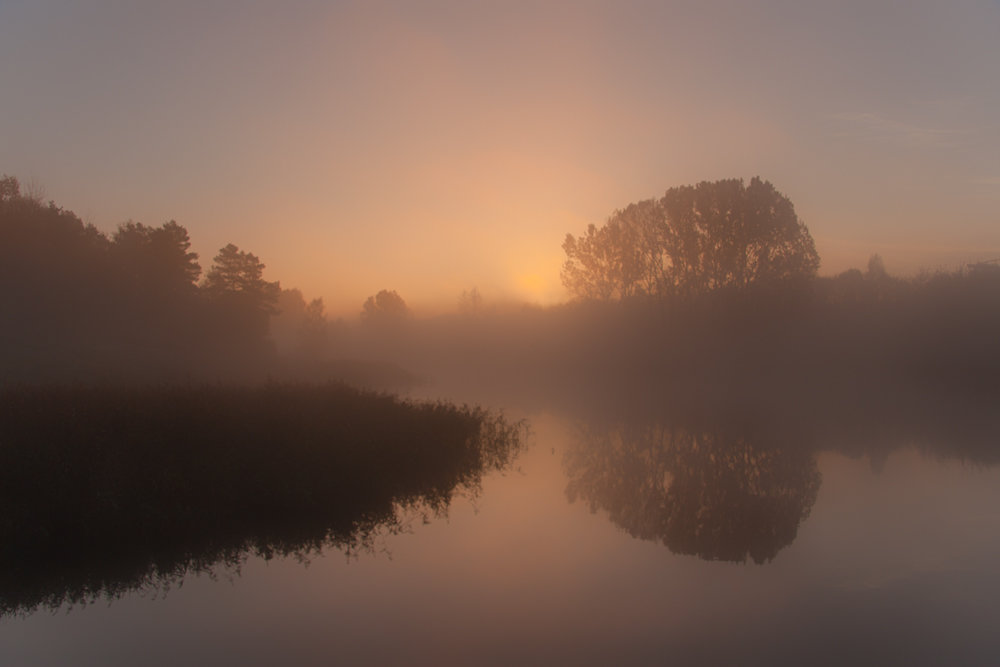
column 104, row 490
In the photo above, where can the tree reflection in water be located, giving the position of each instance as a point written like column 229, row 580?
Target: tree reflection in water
column 108, row 490
column 714, row 493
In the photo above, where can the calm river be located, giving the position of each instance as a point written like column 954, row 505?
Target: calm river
column 608, row 544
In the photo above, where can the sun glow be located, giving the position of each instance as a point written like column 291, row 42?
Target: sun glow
column 532, row 284
column 539, row 287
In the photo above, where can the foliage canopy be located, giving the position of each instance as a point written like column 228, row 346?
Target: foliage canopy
column 694, row 239
column 385, row 307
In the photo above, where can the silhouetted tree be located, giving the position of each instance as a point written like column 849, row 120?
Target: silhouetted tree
column 693, row 240
column 56, row 286
column 242, row 303
column 313, row 333
column 157, row 259
column 876, row 268
column 78, row 305
column 157, row 305
column 284, row 326
column 470, row 303
column 622, row 259
column 386, row 307
column 236, row 273
column 10, row 188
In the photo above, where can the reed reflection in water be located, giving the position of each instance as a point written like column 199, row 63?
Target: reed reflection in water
column 108, row 490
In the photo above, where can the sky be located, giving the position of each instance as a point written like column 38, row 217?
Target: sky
column 433, row 147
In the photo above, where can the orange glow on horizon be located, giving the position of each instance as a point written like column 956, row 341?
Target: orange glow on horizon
column 429, row 150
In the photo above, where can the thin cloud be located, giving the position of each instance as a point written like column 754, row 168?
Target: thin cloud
column 875, row 127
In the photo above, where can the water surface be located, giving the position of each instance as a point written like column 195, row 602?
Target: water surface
column 892, row 558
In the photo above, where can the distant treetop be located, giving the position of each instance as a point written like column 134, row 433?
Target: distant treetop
column 386, row 306
column 236, row 273
column 694, row 239
column 9, row 188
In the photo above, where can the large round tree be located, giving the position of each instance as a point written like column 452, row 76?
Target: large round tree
column 694, row 239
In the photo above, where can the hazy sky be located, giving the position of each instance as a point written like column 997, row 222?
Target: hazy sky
column 429, row 147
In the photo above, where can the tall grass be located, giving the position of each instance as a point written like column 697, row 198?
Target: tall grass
column 106, row 489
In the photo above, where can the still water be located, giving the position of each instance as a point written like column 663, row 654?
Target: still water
column 607, row 544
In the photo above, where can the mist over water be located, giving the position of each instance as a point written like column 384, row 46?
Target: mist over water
column 710, row 455
column 499, row 333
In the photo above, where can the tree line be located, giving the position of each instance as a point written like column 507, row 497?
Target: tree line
column 711, row 281
column 82, row 305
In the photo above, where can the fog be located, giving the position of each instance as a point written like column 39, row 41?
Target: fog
column 163, row 416
column 656, row 319
column 562, row 332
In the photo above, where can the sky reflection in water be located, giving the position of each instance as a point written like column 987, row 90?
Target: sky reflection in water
column 895, row 561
